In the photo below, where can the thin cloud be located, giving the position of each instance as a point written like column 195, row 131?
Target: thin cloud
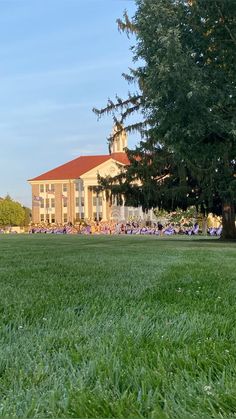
column 41, row 108
column 62, row 73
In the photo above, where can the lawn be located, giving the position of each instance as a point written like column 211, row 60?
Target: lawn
column 117, row 327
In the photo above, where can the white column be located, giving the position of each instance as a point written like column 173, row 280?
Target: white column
column 104, row 206
column 140, row 213
column 97, row 206
column 151, row 214
column 85, row 201
column 80, row 196
column 122, row 211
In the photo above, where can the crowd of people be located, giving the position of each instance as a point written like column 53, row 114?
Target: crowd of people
column 116, row 228
column 129, row 227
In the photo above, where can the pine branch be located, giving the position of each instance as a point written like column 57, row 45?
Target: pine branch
column 126, row 25
column 130, row 79
column 119, row 105
column 226, row 26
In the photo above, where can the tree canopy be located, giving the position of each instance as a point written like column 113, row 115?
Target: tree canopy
column 187, row 96
column 11, row 212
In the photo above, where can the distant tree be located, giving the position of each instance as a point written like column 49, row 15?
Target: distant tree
column 11, row 212
column 28, row 215
column 187, row 96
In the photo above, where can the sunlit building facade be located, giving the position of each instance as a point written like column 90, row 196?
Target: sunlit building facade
column 68, row 193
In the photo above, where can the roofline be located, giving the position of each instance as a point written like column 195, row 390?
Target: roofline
column 32, row 181
column 111, row 156
column 68, row 162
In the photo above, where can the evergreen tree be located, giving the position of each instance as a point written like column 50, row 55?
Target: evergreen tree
column 187, row 96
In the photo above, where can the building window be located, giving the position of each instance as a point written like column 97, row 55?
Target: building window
column 64, row 187
column 79, row 216
column 95, row 201
column 47, row 203
column 99, row 216
column 52, row 202
column 42, row 203
column 65, row 218
column 47, row 187
column 81, row 201
column 47, row 218
column 41, row 187
column 79, row 186
column 42, row 218
column 52, row 218
column 52, row 188
column 65, row 203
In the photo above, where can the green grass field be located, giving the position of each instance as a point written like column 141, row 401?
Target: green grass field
column 117, row 327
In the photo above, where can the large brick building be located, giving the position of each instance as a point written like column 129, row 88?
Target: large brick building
column 68, row 193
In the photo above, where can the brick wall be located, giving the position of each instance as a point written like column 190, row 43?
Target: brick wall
column 58, row 203
column 35, row 205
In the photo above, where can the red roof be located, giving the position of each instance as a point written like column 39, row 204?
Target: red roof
column 120, row 157
column 77, row 167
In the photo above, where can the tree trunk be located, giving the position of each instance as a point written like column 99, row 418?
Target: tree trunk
column 228, row 222
column 204, row 225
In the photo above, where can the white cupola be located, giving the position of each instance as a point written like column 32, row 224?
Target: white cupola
column 119, row 142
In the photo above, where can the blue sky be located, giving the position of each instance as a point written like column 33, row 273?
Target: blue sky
column 58, row 59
